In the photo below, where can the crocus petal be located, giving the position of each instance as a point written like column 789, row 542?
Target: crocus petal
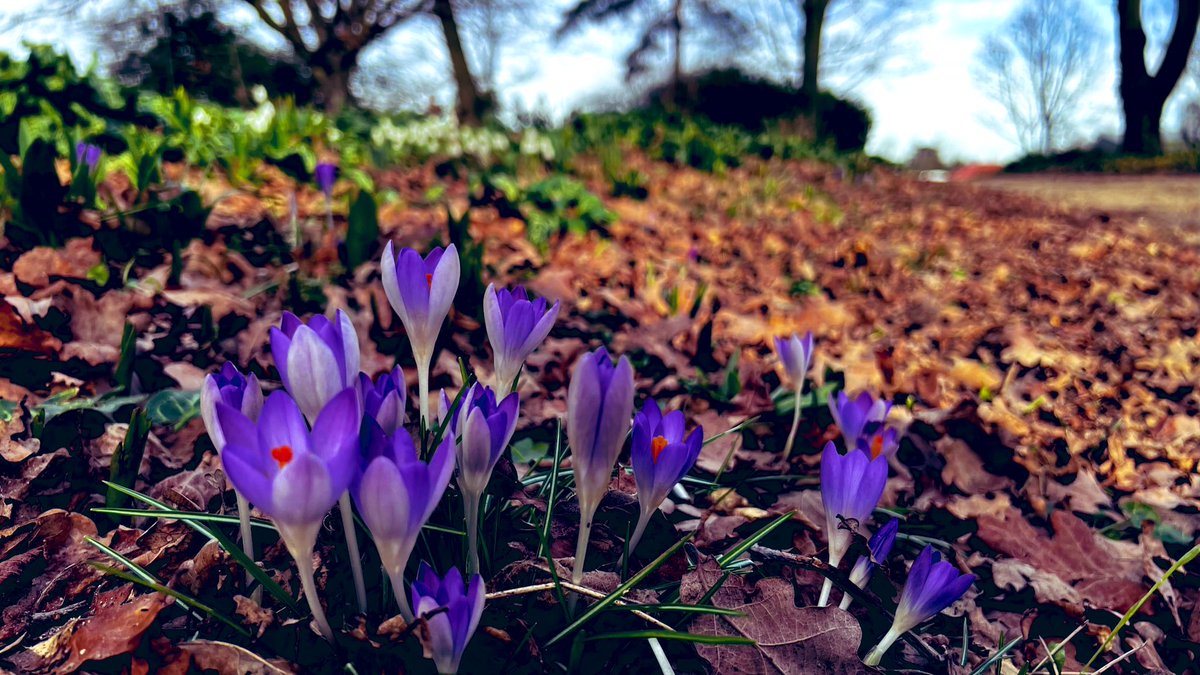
column 313, row 372
column 210, row 394
column 335, row 437
column 281, row 424
column 382, row 499
column 350, row 346
column 241, row 467
column 301, row 492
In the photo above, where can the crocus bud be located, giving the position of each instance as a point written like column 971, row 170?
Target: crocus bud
column 325, row 175
column 932, row 586
column 515, row 327
column 484, row 427
column 230, row 387
column 599, row 405
column 879, row 546
column 396, row 495
column 795, row 354
column 851, row 486
column 384, row 399
column 447, row 633
column 316, row 360
column 854, row 415
column 421, row 291
column 86, row 153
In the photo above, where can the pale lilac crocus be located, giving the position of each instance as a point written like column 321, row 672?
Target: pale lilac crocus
column 88, row 155
column 448, row 632
column 851, row 486
column 316, row 361
column 795, row 354
column 483, row 427
column 244, row 394
column 384, row 399
column 599, row 405
column 516, row 326
column 661, row 455
column 421, row 291
column 879, row 546
column 855, row 416
column 932, row 586
column 396, row 494
column 292, row 474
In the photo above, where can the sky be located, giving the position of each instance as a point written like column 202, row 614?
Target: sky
column 926, row 95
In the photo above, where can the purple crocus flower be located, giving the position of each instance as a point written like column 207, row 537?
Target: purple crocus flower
column 516, row 326
column 795, row 353
column 242, row 393
column 878, row 441
column 879, row 546
column 292, row 474
column 384, row 399
column 854, row 416
column 599, row 405
column 446, row 634
column 326, row 174
column 86, row 153
column 484, row 428
column 851, row 486
column 661, row 456
column 396, row 494
column 235, row 390
column 421, row 291
column 932, row 586
column 316, row 360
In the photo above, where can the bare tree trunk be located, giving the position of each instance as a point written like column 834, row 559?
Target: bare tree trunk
column 1143, row 95
column 814, row 20
column 467, row 106
column 333, row 87
column 677, row 56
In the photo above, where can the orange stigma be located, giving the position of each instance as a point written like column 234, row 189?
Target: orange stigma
column 876, row 446
column 657, row 446
column 282, row 455
column 429, row 280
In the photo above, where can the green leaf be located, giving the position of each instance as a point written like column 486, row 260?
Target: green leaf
column 672, row 635
column 173, row 407
column 362, row 231
column 128, row 457
column 528, row 451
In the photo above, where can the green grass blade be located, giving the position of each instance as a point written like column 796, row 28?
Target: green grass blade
column 183, row 599
column 620, row 591
column 1187, row 558
column 727, row 559
column 672, row 635
column 225, row 542
column 182, row 515
column 544, row 544
column 995, row 658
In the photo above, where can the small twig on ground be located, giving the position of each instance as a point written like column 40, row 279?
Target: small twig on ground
column 57, row 613
column 582, row 590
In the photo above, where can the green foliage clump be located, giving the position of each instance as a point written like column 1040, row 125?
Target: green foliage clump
column 550, row 207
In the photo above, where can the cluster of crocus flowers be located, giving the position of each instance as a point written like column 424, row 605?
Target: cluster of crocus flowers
column 451, row 609
column 88, row 155
column 599, row 407
column 243, row 394
column 483, row 427
column 933, row 585
column 421, row 291
column 795, row 355
column 661, row 455
column 316, row 361
column 293, row 473
column 516, row 326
